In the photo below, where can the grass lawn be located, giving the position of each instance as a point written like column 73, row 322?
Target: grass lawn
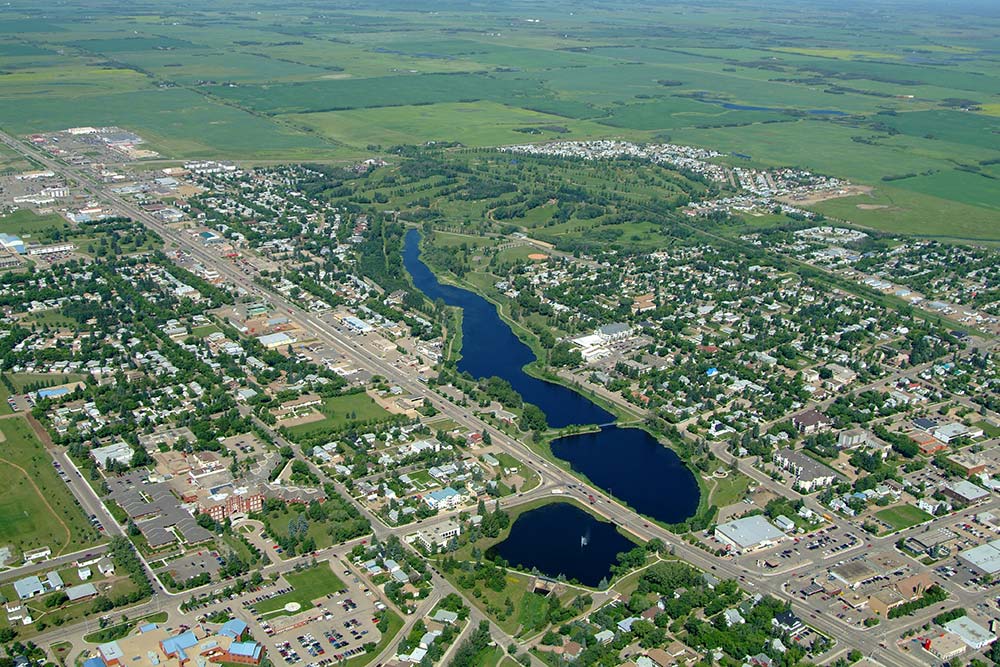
column 489, row 600
column 114, row 632
column 206, row 330
column 341, row 411
column 307, row 585
column 36, row 508
column 728, row 490
column 989, row 430
column 902, row 516
column 395, row 625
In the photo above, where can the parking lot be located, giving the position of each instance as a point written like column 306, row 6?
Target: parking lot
column 335, row 628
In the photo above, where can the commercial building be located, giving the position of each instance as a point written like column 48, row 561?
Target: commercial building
column 152, row 646
column 275, row 340
column 984, row 559
column 965, row 492
column 749, row 533
column 974, row 635
column 944, row 645
column 119, row 452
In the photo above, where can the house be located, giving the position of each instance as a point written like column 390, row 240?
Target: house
column 444, row 616
column 733, row 617
column 625, row 625
column 788, row 622
column 446, row 498
column 106, row 566
column 661, row 658
column 604, row 637
column 811, row 421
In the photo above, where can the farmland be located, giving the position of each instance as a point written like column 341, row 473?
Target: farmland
column 821, row 89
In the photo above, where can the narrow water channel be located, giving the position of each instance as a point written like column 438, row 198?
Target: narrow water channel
column 628, row 463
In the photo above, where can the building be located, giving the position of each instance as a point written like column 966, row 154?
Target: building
column 974, row 635
column 809, row 473
column 275, row 340
column 970, row 464
column 984, row 559
column 244, row 653
column 749, row 533
column 811, row 421
column 965, row 492
column 54, row 249
column 437, row 536
column 788, row 622
column 29, row 587
column 944, row 646
column 81, row 592
column 855, row 437
column 219, row 506
column 152, row 646
column 446, row 498
column 614, row 331
column 118, row 452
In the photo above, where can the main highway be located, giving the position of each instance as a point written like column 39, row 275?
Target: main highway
column 872, row 642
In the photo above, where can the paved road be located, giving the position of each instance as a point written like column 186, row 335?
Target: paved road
column 868, row 642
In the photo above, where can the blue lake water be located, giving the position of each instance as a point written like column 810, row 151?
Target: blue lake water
column 560, row 538
column 626, row 461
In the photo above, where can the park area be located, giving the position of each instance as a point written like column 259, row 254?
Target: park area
column 37, row 508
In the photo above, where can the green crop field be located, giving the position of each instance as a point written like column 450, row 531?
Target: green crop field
column 36, row 508
column 825, row 88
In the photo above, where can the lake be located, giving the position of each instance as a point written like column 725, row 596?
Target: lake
column 630, row 462
column 560, row 538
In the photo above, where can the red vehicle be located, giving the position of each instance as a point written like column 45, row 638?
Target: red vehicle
column 591, row 498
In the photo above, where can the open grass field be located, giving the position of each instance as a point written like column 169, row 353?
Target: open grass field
column 36, row 508
column 341, row 411
column 29, row 226
column 307, row 585
column 902, row 516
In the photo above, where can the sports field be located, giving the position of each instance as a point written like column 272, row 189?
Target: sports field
column 903, row 516
column 36, row 508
